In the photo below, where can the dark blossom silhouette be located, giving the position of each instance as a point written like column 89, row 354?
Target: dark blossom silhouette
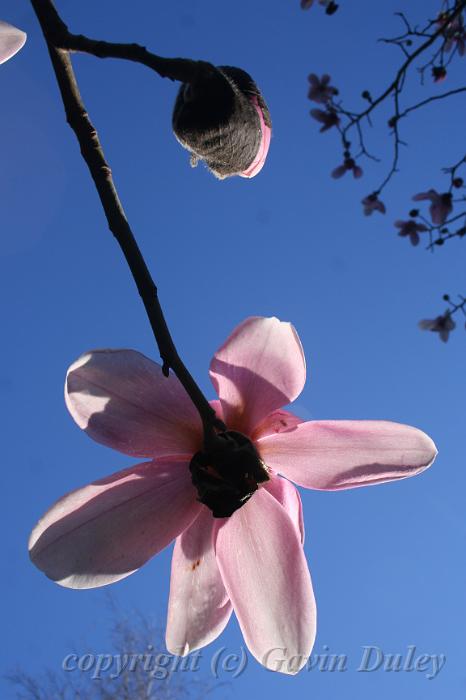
column 440, row 205
column 328, row 118
column 320, row 89
column 411, row 229
column 349, row 164
column 372, row 203
column 455, row 35
column 442, row 325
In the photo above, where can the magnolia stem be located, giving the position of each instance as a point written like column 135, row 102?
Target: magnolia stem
column 91, row 149
column 183, row 69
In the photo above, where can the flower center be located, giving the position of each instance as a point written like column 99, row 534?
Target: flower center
column 227, row 474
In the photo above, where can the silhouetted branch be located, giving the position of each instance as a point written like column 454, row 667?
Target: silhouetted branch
column 182, row 69
column 451, row 36
column 92, row 152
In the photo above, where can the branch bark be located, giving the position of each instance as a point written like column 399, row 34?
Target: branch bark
column 183, row 69
column 91, row 150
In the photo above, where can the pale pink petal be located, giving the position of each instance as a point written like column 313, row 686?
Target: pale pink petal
column 265, row 573
column 106, row 530
column 339, row 171
column 11, row 41
column 443, row 333
column 428, row 324
column 319, row 115
column 332, row 455
column 259, row 368
column 431, row 194
column 199, row 607
column 276, row 422
column 122, row 400
column 216, row 404
column 287, row 494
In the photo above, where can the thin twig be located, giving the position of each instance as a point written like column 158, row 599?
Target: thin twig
column 427, row 101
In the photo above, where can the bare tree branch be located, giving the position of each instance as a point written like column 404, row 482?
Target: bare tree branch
column 100, row 171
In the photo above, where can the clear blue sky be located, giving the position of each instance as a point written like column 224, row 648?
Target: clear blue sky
column 387, row 561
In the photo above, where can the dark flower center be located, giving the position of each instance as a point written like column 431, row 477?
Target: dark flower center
column 227, row 474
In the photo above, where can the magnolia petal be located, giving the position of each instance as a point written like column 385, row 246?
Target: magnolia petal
column 122, row 400
column 332, row 455
column 266, row 577
column 11, row 41
column 104, row 531
column 216, row 404
column 277, row 422
column 287, row 495
column 259, row 368
column 198, row 607
column 431, row 194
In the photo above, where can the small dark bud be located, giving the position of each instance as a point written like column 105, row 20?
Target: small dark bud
column 331, row 8
column 439, row 241
column 446, row 297
column 414, row 212
column 458, row 182
column 439, row 73
column 392, row 122
column 346, row 154
column 366, row 95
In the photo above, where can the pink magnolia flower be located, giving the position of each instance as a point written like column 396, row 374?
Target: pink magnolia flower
column 11, row 41
column 440, row 205
column 372, row 203
column 251, row 562
column 455, row 35
column 320, row 89
column 412, row 229
column 349, row 164
column 328, row 118
column 442, row 325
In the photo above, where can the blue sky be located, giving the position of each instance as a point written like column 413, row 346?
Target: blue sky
column 387, row 561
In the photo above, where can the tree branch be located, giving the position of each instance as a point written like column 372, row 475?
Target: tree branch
column 183, row 69
column 100, row 171
column 394, row 85
column 427, row 101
